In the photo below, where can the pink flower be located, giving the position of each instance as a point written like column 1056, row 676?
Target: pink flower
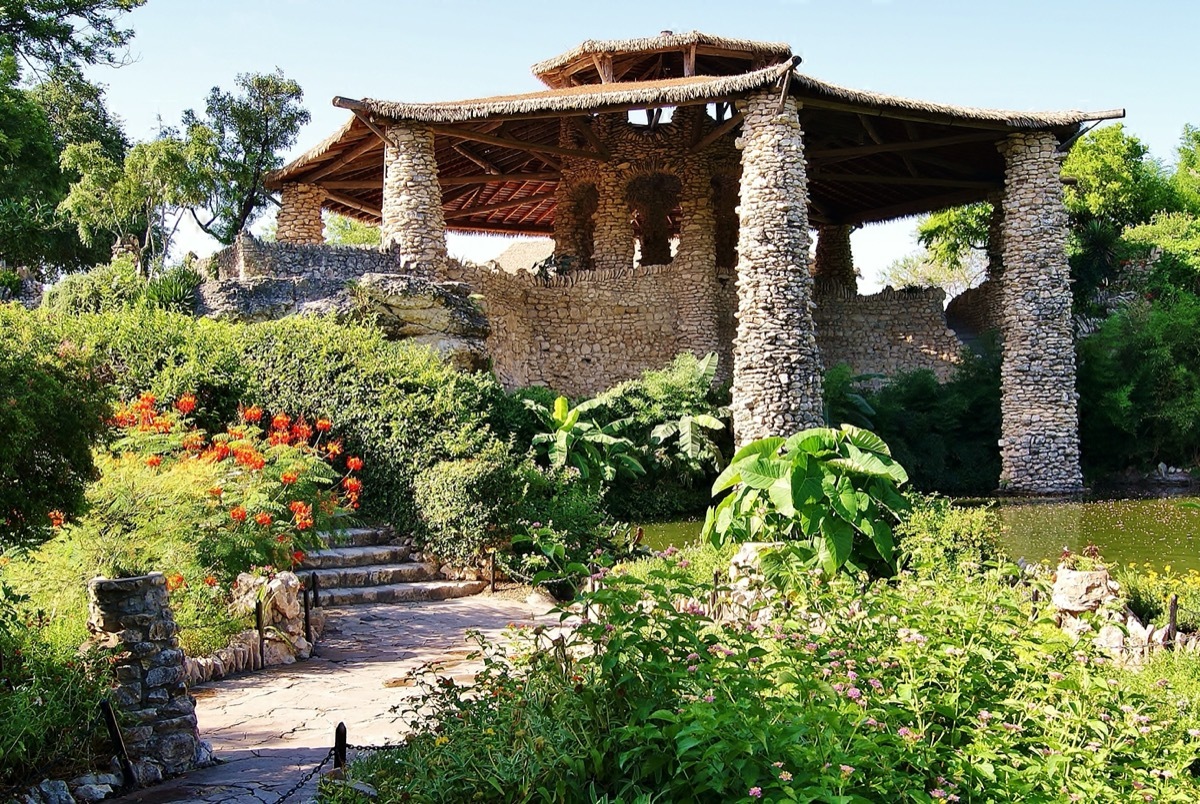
column 785, row 776
column 755, row 792
column 847, row 770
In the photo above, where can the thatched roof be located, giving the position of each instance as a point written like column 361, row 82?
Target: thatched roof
column 871, row 156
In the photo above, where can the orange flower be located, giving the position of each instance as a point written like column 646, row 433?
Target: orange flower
column 256, row 462
column 295, row 505
column 175, row 581
column 334, row 448
column 211, row 580
column 216, row 491
column 354, row 463
column 301, row 431
column 146, row 401
column 237, row 432
column 281, row 538
column 297, row 556
column 279, row 437
column 324, row 425
column 304, row 524
column 56, row 518
column 185, row 404
column 154, row 460
column 352, row 485
column 263, row 518
column 162, row 424
column 281, row 421
column 288, row 478
column 237, row 514
column 252, row 414
column 193, row 441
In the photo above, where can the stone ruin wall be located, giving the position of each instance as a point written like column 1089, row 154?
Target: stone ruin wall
column 250, row 258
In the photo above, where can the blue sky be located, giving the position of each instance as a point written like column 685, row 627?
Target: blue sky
column 1016, row 54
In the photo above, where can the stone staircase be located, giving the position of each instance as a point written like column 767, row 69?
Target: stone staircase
column 372, row 565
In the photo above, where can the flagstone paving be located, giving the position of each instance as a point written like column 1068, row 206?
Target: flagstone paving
column 270, row 728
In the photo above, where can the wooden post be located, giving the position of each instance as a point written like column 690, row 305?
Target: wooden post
column 118, row 741
column 262, row 639
column 316, row 592
column 1033, row 611
column 1172, row 617
column 339, row 746
column 308, row 635
column 492, row 571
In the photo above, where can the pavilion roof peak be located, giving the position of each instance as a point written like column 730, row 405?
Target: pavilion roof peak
column 667, row 55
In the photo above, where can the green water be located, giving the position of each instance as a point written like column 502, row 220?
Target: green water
column 1157, row 531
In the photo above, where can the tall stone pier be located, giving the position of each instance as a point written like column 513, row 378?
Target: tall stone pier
column 776, row 364
column 1039, row 444
column 299, row 219
column 158, row 717
column 413, row 223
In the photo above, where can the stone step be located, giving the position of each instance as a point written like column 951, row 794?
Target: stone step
column 357, row 537
column 363, row 556
column 402, row 592
column 371, row 575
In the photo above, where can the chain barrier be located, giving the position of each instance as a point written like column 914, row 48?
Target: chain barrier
column 306, row 779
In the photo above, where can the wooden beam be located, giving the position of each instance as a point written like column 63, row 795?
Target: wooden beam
column 509, row 204
column 915, row 207
column 378, row 132
column 689, row 61
column 718, row 132
column 604, row 67
column 481, row 161
column 366, row 147
column 585, row 127
column 520, row 145
column 447, row 181
column 854, row 151
column 916, row 115
column 354, row 203
column 920, row 181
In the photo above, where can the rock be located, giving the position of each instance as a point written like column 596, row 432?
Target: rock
column 55, row 792
column 92, row 792
column 748, row 558
column 540, row 598
column 1082, row 590
column 1112, row 638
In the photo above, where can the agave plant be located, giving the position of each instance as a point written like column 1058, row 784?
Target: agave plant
column 598, row 451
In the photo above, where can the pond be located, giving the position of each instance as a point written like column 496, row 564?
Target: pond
column 1157, row 531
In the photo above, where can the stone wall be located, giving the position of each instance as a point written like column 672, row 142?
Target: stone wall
column 299, row 219
column 158, row 720
column 250, row 257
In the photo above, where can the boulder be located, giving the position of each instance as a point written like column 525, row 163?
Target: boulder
column 1077, row 591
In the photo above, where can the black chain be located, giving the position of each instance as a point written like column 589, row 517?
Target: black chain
column 307, row 778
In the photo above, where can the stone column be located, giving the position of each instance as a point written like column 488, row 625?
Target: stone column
column 694, row 272
column 1039, row 445
column 613, row 232
column 833, row 261
column 299, row 219
column 413, row 223
column 158, row 716
column 776, row 365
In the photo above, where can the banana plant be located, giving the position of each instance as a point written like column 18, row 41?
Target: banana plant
column 598, row 451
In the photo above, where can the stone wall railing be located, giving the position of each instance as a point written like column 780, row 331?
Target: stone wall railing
column 250, row 257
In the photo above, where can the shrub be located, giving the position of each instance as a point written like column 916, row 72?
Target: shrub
column 174, row 290
column 831, row 493
column 914, row 692
column 939, row 538
column 52, row 404
column 10, row 284
column 1148, row 591
column 104, row 288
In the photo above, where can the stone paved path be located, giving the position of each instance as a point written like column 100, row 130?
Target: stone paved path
column 270, row 728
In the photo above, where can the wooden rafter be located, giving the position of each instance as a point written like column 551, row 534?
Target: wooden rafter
column 353, row 203
column 585, row 127
column 922, row 181
column 604, row 67
column 520, row 145
column 448, row 181
column 718, row 132
column 478, row 159
column 915, row 207
column 370, row 144
column 854, row 151
column 916, row 115
column 376, row 130
column 496, row 207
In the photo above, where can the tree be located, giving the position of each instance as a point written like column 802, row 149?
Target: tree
column 77, row 113
column 239, row 140
column 951, row 234
column 1116, row 180
column 922, row 269
column 144, row 196
column 344, row 231
column 1187, row 169
column 50, row 33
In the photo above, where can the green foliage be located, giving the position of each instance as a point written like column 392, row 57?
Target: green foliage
column 843, row 402
column 46, row 692
column 1116, row 179
column 105, row 288
column 57, row 32
column 951, row 234
column 10, row 285
column 240, row 139
column 76, row 112
column 174, row 289
column 941, row 539
column 1147, row 592
column 945, row 434
column 831, row 492
column 597, row 451
column 52, row 405
column 915, row 691
column 341, row 230
column 1139, row 386
column 1187, row 169
column 1177, row 235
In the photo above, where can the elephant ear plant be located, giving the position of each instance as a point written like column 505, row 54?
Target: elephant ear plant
column 833, row 494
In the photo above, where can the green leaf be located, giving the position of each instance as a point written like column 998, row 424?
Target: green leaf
column 780, row 494
column 709, row 422
column 841, row 497
column 561, row 406
column 837, row 542
column 762, row 473
column 814, row 441
column 865, row 439
column 761, row 447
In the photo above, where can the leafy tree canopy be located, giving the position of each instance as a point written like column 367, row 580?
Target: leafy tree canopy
column 1187, row 168
column 343, row 231
column 50, row 33
column 1116, row 180
column 241, row 138
column 77, row 113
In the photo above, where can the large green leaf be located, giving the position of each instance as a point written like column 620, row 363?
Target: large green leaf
column 707, row 369
column 730, row 476
column 842, row 498
column 763, row 446
column 663, row 432
column 762, row 473
column 561, row 407
column 865, row 439
column 708, row 422
column 870, row 464
column 835, row 544
column 814, row 441
column 780, row 494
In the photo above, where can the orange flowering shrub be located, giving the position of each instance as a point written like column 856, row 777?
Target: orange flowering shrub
column 276, row 487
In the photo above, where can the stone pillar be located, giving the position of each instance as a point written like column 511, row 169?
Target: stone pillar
column 1039, row 445
column 695, row 266
column 299, row 219
column 776, row 365
column 834, row 259
column 158, row 716
column 613, row 232
column 413, row 223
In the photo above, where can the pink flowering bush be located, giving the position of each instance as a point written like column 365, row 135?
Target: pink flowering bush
column 911, row 690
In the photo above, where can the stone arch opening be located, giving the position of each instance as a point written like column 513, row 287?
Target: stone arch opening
column 584, row 201
column 725, row 201
column 654, row 203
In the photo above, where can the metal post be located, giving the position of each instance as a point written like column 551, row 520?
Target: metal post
column 307, row 616
column 262, row 639
column 1172, row 617
column 316, row 593
column 339, row 746
column 118, row 741
column 492, row 571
